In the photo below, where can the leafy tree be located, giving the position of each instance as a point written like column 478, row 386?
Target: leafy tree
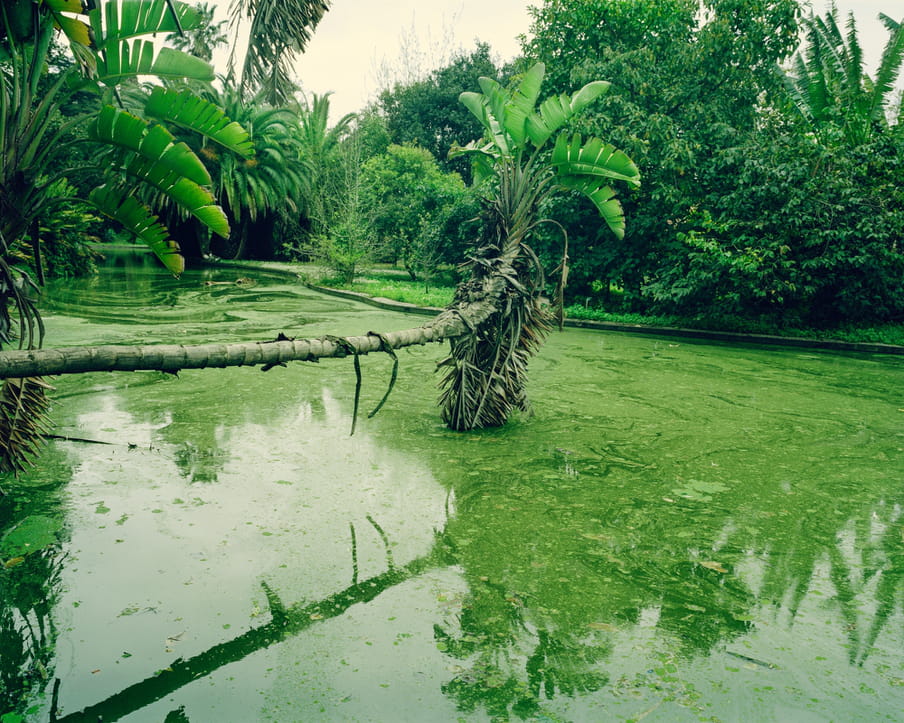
column 410, row 201
column 791, row 230
column 426, row 112
column 487, row 372
column 688, row 79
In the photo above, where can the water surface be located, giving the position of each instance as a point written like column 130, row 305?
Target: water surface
column 681, row 531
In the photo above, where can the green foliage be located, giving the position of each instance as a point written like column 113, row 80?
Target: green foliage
column 204, row 38
column 257, row 179
column 830, row 90
column 685, row 85
column 322, row 151
column 31, row 136
column 427, row 113
column 279, row 30
column 410, row 202
column 65, row 235
column 795, row 232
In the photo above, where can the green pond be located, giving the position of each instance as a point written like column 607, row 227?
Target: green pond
column 681, row 531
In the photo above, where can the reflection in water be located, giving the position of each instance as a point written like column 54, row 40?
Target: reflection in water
column 31, row 561
column 681, row 532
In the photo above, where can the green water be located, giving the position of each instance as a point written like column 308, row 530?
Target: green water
column 680, row 532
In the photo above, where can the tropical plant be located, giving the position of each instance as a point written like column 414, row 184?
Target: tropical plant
column 487, row 369
column 110, row 46
column 254, row 191
column 280, row 29
column 320, row 146
column 829, row 87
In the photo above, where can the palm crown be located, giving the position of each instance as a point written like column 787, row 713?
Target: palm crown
column 517, row 131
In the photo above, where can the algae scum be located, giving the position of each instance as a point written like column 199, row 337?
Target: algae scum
column 681, row 532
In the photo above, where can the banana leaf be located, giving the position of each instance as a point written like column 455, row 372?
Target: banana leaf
column 116, row 204
column 185, row 109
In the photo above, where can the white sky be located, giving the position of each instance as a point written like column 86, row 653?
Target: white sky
column 356, row 37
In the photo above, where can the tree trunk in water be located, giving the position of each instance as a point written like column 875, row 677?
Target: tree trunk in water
column 451, row 323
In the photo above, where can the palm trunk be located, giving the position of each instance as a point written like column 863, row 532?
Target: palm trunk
column 454, row 322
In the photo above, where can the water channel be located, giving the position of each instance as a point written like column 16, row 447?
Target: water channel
column 681, row 531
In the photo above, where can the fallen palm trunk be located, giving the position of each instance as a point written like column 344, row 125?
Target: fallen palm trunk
column 478, row 307
column 175, row 357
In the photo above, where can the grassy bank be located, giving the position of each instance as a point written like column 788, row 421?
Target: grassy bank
column 393, row 284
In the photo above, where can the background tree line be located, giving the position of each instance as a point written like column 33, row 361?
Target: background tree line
column 771, row 163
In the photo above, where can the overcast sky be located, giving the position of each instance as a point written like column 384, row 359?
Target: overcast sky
column 358, row 38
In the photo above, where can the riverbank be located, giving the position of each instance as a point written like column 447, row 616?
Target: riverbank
column 311, row 275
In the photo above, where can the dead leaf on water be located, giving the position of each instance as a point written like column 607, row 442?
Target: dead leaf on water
column 172, row 640
column 711, row 565
column 608, row 627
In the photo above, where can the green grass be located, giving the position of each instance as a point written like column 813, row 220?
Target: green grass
column 391, row 283
column 410, row 292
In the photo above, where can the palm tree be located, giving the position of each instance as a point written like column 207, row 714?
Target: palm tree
column 255, row 191
column 280, row 30
column 320, row 147
column 829, row 87
column 205, row 38
column 487, row 368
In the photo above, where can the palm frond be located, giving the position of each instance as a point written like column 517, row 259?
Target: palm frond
column 280, row 29
column 23, row 422
column 889, row 66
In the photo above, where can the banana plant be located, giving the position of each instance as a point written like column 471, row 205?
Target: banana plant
column 517, row 131
column 487, row 369
column 110, row 43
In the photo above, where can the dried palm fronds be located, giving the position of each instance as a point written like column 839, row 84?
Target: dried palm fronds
column 23, row 421
column 487, row 372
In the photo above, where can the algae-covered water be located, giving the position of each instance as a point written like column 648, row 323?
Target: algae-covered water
column 682, row 531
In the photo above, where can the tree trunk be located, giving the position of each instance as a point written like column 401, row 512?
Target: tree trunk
column 175, row 357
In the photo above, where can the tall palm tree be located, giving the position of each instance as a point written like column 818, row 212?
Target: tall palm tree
column 320, row 146
column 488, row 369
column 828, row 84
column 280, row 30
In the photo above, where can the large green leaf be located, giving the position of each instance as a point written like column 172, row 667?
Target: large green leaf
column 198, row 201
column 128, row 60
column 593, row 159
column 186, row 109
column 120, row 20
column 155, row 143
column 479, row 105
column 116, row 204
column 522, row 101
column 889, row 67
column 474, row 102
column 583, row 97
column 556, row 111
column 602, row 196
